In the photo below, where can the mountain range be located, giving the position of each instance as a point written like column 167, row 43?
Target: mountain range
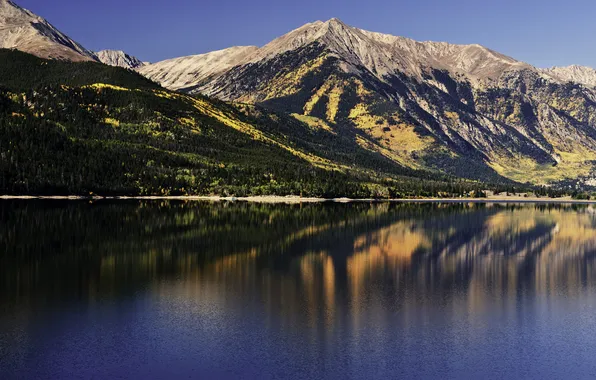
column 374, row 103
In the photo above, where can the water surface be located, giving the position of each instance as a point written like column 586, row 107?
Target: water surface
column 235, row 290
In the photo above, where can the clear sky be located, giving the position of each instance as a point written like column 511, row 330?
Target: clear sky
column 541, row 32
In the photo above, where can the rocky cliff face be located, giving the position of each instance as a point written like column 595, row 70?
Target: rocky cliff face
column 22, row 30
column 462, row 109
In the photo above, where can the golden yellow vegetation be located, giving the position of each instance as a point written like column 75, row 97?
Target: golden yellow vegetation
column 394, row 139
column 187, row 122
column 113, row 122
column 575, row 157
column 285, row 83
column 313, row 122
column 312, row 102
column 453, row 116
column 333, row 105
column 524, row 169
column 216, row 113
column 102, row 86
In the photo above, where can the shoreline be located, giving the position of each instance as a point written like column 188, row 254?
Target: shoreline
column 295, row 200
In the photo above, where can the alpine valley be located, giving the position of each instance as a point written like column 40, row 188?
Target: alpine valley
column 326, row 110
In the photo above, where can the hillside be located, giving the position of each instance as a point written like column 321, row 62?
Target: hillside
column 76, row 128
column 22, row 71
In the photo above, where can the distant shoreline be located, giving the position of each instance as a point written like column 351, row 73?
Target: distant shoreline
column 294, row 199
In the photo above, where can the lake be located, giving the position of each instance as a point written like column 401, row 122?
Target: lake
column 159, row 289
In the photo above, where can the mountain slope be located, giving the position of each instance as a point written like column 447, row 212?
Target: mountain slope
column 21, row 29
column 180, row 73
column 119, row 58
column 21, row 71
column 76, row 128
column 460, row 109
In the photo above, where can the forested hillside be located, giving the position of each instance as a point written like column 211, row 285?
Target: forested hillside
column 21, row 71
column 81, row 128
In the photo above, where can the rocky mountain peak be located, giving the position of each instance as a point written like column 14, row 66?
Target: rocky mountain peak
column 384, row 54
column 336, row 25
column 119, row 58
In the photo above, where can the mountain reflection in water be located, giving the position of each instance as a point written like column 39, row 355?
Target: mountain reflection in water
column 344, row 280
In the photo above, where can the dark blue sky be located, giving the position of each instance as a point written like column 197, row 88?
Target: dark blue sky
column 544, row 33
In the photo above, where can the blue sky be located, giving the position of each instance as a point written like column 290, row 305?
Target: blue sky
column 544, row 33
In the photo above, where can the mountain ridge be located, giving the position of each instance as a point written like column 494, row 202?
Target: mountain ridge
column 459, row 58
column 334, row 32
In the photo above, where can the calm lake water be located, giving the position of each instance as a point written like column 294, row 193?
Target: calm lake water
column 220, row 290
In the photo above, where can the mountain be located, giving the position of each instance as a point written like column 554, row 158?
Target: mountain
column 119, row 58
column 85, row 127
column 464, row 110
column 20, row 29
